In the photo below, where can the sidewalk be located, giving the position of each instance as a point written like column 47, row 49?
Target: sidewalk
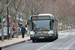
column 6, row 43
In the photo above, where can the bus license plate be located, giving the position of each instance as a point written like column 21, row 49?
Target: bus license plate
column 41, row 37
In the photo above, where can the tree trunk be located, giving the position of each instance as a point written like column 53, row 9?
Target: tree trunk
column 16, row 26
column 11, row 26
column 2, row 28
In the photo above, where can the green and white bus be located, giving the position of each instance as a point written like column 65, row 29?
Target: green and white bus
column 43, row 26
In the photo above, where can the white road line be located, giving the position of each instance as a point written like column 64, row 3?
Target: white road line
column 50, row 44
column 63, row 36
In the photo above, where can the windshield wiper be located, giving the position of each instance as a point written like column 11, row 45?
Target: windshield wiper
column 38, row 29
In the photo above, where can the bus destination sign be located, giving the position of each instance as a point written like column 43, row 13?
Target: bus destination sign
column 34, row 18
column 40, row 17
column 43, row 17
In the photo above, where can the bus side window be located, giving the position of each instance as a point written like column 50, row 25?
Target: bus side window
column 55, row 27
column 51, row 24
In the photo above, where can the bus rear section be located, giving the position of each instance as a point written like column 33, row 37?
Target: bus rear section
column 43, row 27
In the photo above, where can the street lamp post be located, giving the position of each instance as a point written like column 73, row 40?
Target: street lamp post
column 7, row 22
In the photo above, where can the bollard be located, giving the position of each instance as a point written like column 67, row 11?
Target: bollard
column 0, row 48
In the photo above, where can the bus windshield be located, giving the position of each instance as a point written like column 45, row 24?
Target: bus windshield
column 41, row 25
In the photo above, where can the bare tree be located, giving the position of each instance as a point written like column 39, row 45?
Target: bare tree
column 2, row 9
column 16, row 5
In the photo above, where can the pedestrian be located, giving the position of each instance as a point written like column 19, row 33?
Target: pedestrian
column 23, row 31
column 15, row 30
column 26, row 27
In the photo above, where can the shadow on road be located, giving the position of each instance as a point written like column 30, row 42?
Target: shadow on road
column 39, row 41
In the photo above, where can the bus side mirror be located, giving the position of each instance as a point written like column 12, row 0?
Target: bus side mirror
column 28, row 22
column 52, row 20
column 51, row 23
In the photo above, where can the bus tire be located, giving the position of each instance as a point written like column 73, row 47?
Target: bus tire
column 33, row 41
column 53, row 38
column 57, row 35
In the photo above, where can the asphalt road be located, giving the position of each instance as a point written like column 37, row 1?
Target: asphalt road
column 66, row 41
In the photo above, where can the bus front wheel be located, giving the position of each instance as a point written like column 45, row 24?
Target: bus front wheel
column 33, row 41
column 54, row 37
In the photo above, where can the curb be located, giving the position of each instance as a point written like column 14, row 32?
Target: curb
column 12, row 44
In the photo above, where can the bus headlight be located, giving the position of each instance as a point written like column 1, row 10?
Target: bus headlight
column 50, row 32
column 32, row 33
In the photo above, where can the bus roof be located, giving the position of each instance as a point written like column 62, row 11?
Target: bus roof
column 46, row 14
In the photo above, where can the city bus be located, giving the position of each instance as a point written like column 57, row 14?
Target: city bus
column 43, row 26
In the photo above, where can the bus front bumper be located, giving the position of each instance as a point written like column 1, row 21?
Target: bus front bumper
column 36, row 37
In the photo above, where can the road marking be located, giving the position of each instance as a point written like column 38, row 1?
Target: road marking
column 50, row 44
column 63, row 36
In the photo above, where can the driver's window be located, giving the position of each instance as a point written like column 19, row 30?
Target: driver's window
column 51, row 25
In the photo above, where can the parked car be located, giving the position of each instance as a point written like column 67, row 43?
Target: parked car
column 5, row 33
column 73, row 26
